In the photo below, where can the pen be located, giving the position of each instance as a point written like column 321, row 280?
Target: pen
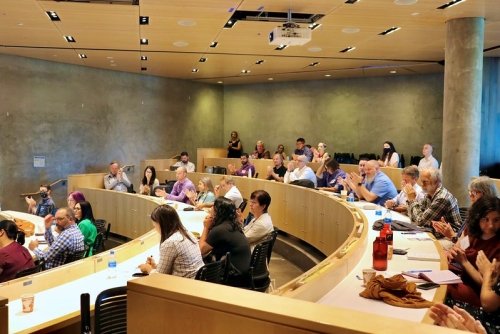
column 409, row 233
column 418, row 271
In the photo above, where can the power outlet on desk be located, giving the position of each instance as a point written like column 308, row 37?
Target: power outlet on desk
column 27, row 283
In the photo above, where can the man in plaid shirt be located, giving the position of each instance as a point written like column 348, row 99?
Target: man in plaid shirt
column 69, row 241
column 438, row 203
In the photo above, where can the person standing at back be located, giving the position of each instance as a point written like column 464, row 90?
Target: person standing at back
column 116, row 179
column 234, row 147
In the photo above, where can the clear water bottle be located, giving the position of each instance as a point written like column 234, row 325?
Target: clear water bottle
column 112, row 265
column 388, row 217
column 250, row 173
column 378, row 211
column 350, row 198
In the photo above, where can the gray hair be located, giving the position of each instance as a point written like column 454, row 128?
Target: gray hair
column 208, row 183
column 434, row 173
column 483, row 185
column 411, row 171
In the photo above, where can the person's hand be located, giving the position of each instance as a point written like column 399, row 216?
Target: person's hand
column 381, row 163
column 403, row 184
column 254, row 155
column 484, row 265
column 389, row 204
column 444, row 228
column 401, row 208
column 161, row 193
column 207, row 222
column 217, row 190
column 145, row 268
column 151, row 262
column 33, row 244
column 231, row 168
column 356, row 178
column 239, row 216
column 295, row 157
column 30, row 201
column 119, row 174
column 455, row 318
column 410, row 192
column 198, row 207
column 191, row 194
column 291, row 166
column 458, row 255
column 47, row 221
column 270, row 170
column 326, row 156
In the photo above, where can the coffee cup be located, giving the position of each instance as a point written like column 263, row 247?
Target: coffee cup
column 343, row 194
column 368, row 274
column 28, row 302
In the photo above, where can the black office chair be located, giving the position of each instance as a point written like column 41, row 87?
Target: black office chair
column 272, row 236
column 72, row 257
column 258, row 272
column 111, row 311
column 243, row 205
column 100, row 225
column 214, row 272
column 97, row 244
column 105, row 236
column 30, row 271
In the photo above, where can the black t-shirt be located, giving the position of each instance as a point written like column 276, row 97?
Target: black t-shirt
column 280, row 171
column 223, row 240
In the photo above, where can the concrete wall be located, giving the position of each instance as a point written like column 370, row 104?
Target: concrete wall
column 351, row 115
column 81, row 118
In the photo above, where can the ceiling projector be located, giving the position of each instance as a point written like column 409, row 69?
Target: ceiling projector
column 290, row 34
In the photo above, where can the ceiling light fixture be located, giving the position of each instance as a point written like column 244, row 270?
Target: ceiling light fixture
column 450, row 4
column 214, row 44
column 258, row 62
column 328, row 75
column 314, row 26
column 405, row 2
column 144, row 68
column 53, row 16
column 202, row 60
column 219, row 82
column 69, row 39
column 351, row 2
column 143, row 20
column 392, row 72
column 144, row 58
column 195, row 70
column 186, row 23
column 144, row 41
column 350, row 30
column 314, row 64
column 390, row 31
column 270, row 79
column 230, row 24
column 348, row 49
column 281, row 47
column 180, row 44
column 82, row 55
column 245, row 71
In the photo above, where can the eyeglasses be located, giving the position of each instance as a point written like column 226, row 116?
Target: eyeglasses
column 77, row 209
column 473, row 192
column 59, row 218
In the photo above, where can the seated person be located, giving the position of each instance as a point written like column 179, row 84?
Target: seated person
column 206, row 195
column 75, row 197
column 245, row 169
column 376, row 186
column 149, row 181
column 428, row 160
column 190, row 167
column 178, row 192
column 328, row 175
column 457, row 318
column 483, row 234
column 320, row 155
column 85, row 216
column 232, row 193
column 278, row 172
column 302, row 149
column 222, row 233
column 116, row 179
column 438, row 202
column 302, row 172
column 281, row 151
column 69, row 241
column 13, row 256
column 45, row 206
column 390, row 157
column 260, row 151
column 179, row 251
column 347, row 182
column 258, row 229
column 409, row 175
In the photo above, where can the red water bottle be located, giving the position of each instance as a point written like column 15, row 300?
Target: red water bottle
column 380, row 254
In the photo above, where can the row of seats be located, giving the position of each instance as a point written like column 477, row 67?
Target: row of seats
column 348, row 158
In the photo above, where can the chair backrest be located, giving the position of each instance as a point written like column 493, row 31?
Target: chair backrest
column 100, row 225
column 256, row 175
column 212, row 272
column 97, row 244
column 30, row 271
column 272, row 236
column 258, row 261
column 111, row 311
column 78, row 255
column 414, row 160
column 243, row 205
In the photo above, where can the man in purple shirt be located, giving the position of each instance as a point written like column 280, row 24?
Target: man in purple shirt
column 244, row 169
column 178, row 192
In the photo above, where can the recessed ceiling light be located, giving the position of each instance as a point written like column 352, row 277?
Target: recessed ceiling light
column 144, row 58
column 229, row 24
column 405, row 2
column 144, row 41
column 314, row 64
column 69, row 39
column 82, row 55
column 314, row 26
column 113, row 64
column 186, row 23
column 20, row 24
column 390, row 31
column 415, row 14
column 314, row 49
column 350, row 30
column 194, row 70
column 219, row 82
column 214, row 44
column 53, row 16
column 258, row 62
column 328, row 75
column 143, row 20
column 203, row 60
column 347, row 49
column 351, row 1
column 144, row 68
column 181, row 44
column 393, row 72
column 245, row 71
column 109, row 57
column 281, row 47
column 111, row 61
column 450, row 4
column 270, row 79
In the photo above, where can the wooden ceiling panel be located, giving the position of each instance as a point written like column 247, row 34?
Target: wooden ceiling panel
column 68, row 56
column 112, row 60
column 190, row 4
column 175, row 65
column 297, row 6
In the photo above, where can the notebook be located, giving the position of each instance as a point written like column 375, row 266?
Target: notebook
column 424, row 256
column 438, row 276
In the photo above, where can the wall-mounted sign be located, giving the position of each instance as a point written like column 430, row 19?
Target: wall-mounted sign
column 39, row 162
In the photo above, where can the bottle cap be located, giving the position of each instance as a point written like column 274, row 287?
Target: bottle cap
column 112, row 252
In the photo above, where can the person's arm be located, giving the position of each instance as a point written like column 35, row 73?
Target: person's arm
column 490, row 299
column 319, row 172
column 205, row 248
column 178, row 193
column 394, row 160
column 110, row 182
column 455, row 318
column 267, row 155
column 309, row 154
column 191, row 167
column 459, row 256
column 255, row 231
column 125, row 180
column 58, row 246
column 168, row 254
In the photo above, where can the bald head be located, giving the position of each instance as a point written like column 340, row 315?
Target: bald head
column 180, row 173
column 371, row 169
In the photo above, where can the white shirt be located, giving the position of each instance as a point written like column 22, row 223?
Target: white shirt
column 401, row 198
column 427, row 163
column 305, row 173
column 394, row 160
column 258, row 229
column 190, row 168
column 234, row 195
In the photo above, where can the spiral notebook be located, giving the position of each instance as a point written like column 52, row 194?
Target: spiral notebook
column 438, row 276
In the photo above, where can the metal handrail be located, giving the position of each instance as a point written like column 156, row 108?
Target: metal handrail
column 51, row 185
column 127, row 167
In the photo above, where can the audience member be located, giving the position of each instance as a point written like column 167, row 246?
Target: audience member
column 232, row 193
column 438, row 202
column 234, row 147
column 456, row 318
column 260, row 151
column 69, row 241
column 483, row 234
column 390, row 157
column 179, row 251
column 222, row 233
column 149, row 181
column 347, row 182
column 428, row 160
column 261, row 225
column 302, row 172
column 302, row 149
column 328, row 175
column 320, row 155
column 376, row 186
column 85, row 216
column 190, row 167
column 45, row 206
column 281, row 151
column 206, row 196
column 13, row 256
column 75, row 197
column 246, row 166
column 478, row 187
column 276, row 173
column 116, row 179
column 178, row 192
column 409, row 175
